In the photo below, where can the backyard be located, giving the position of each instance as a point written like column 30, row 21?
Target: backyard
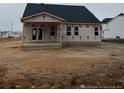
column 93, row 66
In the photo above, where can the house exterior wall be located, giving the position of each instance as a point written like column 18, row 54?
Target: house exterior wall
column 84, row 33
column 114, row 28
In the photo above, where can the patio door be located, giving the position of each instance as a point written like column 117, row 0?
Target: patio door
column 34, row 34
column 37, row 34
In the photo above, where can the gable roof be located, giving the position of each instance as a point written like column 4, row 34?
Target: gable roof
column 106, row 20
column 70, row 13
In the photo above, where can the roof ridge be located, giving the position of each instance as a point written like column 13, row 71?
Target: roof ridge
column 108, row 18
column 57, row 4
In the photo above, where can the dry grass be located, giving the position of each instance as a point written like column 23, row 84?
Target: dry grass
column 70, row 67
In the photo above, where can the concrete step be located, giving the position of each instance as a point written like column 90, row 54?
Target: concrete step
column 41, row 45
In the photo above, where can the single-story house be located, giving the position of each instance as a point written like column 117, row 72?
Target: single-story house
column 7, row 34
column 59, row 24
column 113, row 27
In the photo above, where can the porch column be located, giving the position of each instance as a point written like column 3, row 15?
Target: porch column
column 61, row 32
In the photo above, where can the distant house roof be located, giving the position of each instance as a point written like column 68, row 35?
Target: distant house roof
column 106, row 20
column 69, row 13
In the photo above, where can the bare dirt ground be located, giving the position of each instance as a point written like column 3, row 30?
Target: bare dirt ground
column 100, row 66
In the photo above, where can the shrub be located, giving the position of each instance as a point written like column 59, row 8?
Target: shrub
column 117, row 37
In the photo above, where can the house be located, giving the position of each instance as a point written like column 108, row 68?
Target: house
column 113, row 27
column 45, row 24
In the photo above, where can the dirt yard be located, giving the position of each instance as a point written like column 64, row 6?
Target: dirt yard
column 100, row 66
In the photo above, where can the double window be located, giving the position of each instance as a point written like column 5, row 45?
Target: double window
column 68, row 30
column 52, row 30
column 76, row 31
column 96, row 29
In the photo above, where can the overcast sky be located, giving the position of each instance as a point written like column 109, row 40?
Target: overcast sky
column 11, row 13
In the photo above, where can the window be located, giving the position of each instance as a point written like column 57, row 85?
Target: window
column 52, row 30
column 76, row 31
column 96, row 31
column 68, row 31
column 96, row 28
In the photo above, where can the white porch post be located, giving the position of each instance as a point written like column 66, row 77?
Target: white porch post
column 22, row 37
column 61, row 32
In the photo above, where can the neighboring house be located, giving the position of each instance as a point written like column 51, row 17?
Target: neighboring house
column 6, row 34
column 49, row 23
column 113, row 27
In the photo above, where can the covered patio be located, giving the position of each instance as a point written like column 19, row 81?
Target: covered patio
column 42, row 29
column 39, row 34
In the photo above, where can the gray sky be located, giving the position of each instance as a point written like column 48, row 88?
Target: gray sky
column 11, row 13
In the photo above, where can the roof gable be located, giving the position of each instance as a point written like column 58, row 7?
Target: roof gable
column 70, row 13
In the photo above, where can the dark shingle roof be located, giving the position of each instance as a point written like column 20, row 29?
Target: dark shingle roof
column 68, row 12
column 121, row 14
column 106, row 20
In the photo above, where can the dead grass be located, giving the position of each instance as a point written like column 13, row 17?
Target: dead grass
column 69, row 67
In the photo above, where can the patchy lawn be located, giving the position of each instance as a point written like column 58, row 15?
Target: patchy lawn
column 100, row 66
